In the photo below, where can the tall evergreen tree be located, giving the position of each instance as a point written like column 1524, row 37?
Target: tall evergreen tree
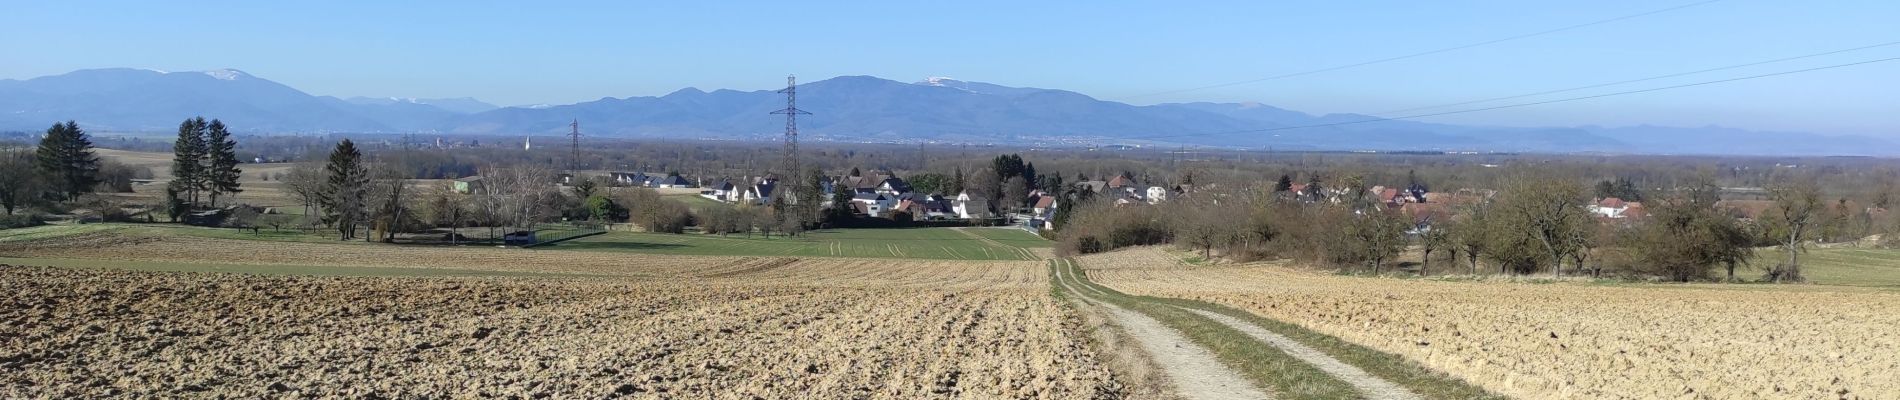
column 348, row 180
column 1029, row 175
column 956, row 184
column 1284, row 184
column 221, row 173
column 188, row 153
column 65, row 156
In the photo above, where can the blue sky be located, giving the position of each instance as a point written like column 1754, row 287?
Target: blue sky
column 515, row 53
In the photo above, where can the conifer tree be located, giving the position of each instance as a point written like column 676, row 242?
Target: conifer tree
column 65, row 157
column 221, row 173
column 188, row 153
column 342, row 194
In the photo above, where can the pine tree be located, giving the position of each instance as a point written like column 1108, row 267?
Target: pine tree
column 188, row 153
column 65, row 156
column 1285, row 184
column 1029, row 175
column 343, row 192
column 957, row 184
column 221, row 174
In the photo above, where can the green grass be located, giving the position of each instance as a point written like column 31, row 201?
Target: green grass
column 912, row 243
column 1839, row 266
column 695, row 202
column 258, row 269
column 44, row 232
column 1012, row 236
column 1286, row 375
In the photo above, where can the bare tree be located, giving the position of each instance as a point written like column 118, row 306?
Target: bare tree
column 388, row 188
column 523, row 194
column 1546, row 211
column 305, row 182
column 1431, row 240
column 1789, row 221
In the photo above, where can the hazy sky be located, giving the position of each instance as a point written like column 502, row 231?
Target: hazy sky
column 515, row 53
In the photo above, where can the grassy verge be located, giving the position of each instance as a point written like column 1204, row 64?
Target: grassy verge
column 1391, row 367
column 1287, row 377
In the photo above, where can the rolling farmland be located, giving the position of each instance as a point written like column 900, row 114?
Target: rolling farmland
column 1563, row 340
column 639, row 326
column 916, row 243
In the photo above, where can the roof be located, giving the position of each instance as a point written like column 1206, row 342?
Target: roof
column 764, row 189
column 896, row 185
column 671, row 180
column 723, row 186
column 476, row 178
column 868, row 196
column 1389, row 195
column 1610, row 202
column 1046, row 202
column 1118, row 181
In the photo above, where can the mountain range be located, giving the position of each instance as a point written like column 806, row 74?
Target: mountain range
column 846, row 108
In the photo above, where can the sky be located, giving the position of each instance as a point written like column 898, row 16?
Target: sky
column 515, row 53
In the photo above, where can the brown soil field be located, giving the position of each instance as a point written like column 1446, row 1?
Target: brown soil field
column 737, row 328
column 1567, row 340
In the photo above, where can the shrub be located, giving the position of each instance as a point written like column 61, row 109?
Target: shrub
column 21, row 221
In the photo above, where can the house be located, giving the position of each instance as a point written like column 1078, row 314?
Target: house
column 1610, row 207
column 1093, row 186
column 630, row 178
column 1156, row 194
column 893, row 186
column 762, row 192
column 1045, row 206
column 970, row 207
column 470, row 185
column 1119, row 182
column 723, row 191
column 938, row 207
column 874, row 204
column 671, row 181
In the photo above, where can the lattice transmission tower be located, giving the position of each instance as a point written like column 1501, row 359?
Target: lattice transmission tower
column 791, row 111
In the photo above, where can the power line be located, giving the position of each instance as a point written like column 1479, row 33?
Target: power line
column 1572, row 89
column 1430, row 52
column 1472, row 110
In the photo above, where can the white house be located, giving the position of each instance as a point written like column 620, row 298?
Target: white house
column 724, row 191
column 762, row 192
column 874, row 204
column 1156, row 194
column 1610, row 207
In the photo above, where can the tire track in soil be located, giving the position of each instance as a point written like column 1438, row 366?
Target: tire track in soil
column 1195, row 371
column 1371, row 386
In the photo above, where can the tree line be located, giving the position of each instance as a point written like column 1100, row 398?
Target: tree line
column 1535, row 223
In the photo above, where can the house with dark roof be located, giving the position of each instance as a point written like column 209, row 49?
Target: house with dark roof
column 874, row 204
column 762, row 192
column 673, row 181
column 893, row 186
column 967, row 206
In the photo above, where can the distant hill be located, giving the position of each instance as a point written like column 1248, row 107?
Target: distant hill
column 847, row 108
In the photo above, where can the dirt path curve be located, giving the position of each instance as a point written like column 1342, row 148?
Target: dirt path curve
column 1195, row 371
column 1370, row 386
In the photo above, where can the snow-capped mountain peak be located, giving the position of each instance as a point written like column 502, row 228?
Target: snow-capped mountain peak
column 226, row 74
column 938, row 81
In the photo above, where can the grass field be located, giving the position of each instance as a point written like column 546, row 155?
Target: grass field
column 915, row 243
column 1843, row 266
column 1013, row 236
